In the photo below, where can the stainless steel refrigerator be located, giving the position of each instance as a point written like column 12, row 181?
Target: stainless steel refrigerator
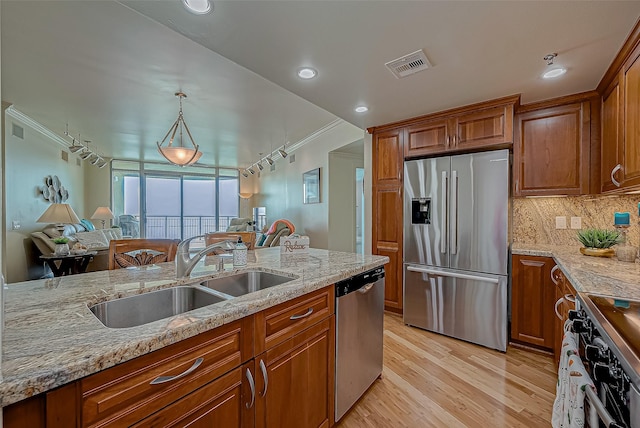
column 456, row 225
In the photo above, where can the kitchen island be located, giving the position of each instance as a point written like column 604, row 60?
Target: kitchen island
column 51, row 338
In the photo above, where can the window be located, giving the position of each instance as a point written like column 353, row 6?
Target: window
column 162, row 201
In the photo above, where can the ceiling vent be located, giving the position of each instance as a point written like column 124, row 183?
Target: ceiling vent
column 409, row 64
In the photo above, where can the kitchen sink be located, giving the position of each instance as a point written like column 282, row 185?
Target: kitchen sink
column 244, row 283
column 152, row 306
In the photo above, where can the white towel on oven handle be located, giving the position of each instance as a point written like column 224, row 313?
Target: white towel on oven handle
column 560, row 415
column 579, row 380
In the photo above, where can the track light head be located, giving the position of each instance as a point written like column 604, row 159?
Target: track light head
column 260, row 167
column 282, row 153
column 244, row 173
column 251, row 170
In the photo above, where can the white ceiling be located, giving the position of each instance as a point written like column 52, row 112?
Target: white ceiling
column 111, row 72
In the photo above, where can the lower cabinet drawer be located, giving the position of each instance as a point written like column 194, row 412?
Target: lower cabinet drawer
column 129, row 392
column 220, row 403
column 281, row 322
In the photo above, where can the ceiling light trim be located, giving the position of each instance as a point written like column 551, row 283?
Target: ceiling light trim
column 195, row 9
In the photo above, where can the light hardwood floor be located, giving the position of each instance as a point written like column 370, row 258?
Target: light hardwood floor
column 431, row 380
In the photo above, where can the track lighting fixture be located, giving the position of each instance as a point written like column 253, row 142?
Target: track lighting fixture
column 86, row 154
column 282, row 152
column 252, row 171
column 244, row 173
column 260, row 167
column 96, row 161
column 269, row 160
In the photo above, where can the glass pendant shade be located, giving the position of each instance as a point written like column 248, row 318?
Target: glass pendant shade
column 179, row 154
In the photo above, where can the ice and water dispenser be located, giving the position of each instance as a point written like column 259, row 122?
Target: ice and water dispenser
column 421, row 211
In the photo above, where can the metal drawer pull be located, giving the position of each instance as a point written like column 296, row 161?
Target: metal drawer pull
column 252, row 385
column 265, row 376
column 558, row 304
column 553, row 271
column 366, row 288
column 570, row 297
column 163, row 379
column 297, row 317
column 453, row 274
column 613, row 172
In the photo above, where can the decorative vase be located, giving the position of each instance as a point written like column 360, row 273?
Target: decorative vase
column 61, row 250
column 598, row 252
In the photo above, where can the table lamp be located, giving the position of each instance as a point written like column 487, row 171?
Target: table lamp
column 103, row 214
column 60, row 214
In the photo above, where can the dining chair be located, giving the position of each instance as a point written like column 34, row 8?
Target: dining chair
column 125, row 253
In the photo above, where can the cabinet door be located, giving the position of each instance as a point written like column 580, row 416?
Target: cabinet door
column 493, row 126
column 388, row 157
column 611, row 138
column 432, row 136
column 551, row 151
column 387, row 241
column 532, row 301
column 295, row 380
column 631, row 101
column 221, row 403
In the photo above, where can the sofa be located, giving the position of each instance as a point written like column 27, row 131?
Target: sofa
column 95, row 240
column 271, row 236
column 241, row 224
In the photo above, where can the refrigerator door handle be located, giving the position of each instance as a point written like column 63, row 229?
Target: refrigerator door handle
column 445, row 223
column 454, row 212
column 453, row 274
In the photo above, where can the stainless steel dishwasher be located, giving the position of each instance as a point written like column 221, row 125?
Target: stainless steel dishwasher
column 359, row 330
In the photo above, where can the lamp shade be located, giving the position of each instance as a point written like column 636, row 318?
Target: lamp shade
column 102, row 213
column 245, row 195
column 59, row 213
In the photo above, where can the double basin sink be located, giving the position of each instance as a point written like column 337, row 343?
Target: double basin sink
column 156, row 305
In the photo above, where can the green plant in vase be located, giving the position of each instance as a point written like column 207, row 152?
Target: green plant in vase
column 62, row 248
column 598, row 242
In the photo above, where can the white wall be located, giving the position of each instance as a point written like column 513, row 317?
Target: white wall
column 27, row 162
column 280, row 191
column 97, row 191
column 342, row 200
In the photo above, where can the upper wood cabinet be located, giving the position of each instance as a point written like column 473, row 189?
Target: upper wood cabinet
column 387, row 158
column 551, row 151
column 620, row 91
column 474, row 127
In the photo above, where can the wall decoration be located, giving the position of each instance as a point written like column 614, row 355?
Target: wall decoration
column 53, row 191
column 311, row 186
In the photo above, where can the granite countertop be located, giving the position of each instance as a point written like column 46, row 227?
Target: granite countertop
column 51, row 338
column 599, row 275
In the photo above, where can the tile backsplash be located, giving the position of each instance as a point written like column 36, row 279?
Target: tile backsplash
column 534, row 219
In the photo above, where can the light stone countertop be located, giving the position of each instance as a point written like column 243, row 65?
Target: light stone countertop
column 599, row 275
column 51, row 338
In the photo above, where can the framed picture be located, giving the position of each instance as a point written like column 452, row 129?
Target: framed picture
column 311, row 186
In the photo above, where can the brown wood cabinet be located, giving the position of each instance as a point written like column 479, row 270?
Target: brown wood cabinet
column 565, row 301
column 473, row 127
column 621, row 128
column 551, row 151
column 532, row 300
column 211, row 379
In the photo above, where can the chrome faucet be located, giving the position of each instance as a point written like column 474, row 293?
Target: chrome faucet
column 185, row 263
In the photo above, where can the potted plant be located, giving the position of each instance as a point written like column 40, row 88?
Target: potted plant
column 598, row 242
column 62, row 246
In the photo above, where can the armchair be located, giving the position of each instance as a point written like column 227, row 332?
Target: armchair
column 278, row 229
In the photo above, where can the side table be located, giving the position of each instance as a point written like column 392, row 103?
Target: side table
column 68, row 265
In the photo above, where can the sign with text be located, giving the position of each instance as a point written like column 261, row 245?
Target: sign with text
column 294, row 245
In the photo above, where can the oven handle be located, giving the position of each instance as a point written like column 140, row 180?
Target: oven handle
column 600, row 409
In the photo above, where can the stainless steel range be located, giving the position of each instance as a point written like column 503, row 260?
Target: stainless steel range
column 609, row 330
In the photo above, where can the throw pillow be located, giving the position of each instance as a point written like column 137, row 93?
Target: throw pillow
column 92, row 240
column 87, row 224
column 263, row 238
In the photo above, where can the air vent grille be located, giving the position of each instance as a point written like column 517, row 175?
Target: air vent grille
column 17, row 131
column 409, row 64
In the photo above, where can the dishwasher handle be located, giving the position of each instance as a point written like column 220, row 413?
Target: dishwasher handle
column 361, row 283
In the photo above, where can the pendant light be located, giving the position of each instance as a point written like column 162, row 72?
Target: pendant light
column 179, row 154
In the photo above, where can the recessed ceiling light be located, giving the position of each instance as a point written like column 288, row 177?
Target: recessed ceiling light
column 554, row 72
column 199, row 7
column 361, row 109
column 307, row 73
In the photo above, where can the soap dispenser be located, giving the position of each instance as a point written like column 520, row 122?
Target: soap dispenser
column 240, row 253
